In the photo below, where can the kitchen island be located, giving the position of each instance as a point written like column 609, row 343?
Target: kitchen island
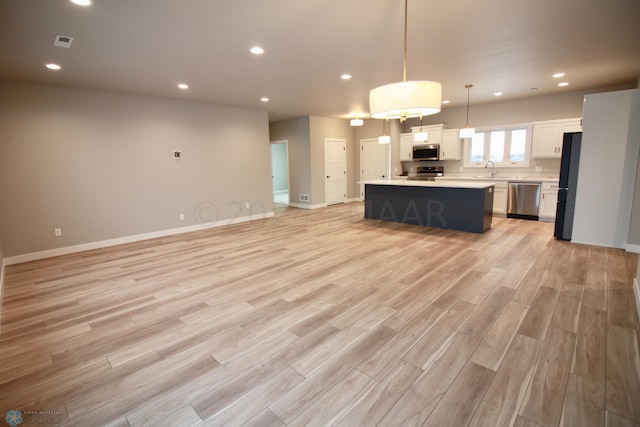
column 455, row 205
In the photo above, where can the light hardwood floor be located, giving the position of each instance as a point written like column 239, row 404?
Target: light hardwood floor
column 326, row 318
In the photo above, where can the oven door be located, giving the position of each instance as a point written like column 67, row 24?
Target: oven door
column 426, row 152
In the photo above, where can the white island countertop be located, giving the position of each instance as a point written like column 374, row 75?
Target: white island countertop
column 432, row 184
column 503, row 178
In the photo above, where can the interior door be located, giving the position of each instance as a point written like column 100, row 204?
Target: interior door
column 335, row 168
column 374, row 159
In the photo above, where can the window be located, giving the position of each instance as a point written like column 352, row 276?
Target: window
column 507, row 146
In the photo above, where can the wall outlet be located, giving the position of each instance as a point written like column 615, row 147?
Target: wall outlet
column 57, row 232
column 181, row 216
column 538, row 168
column 246, row 205
column 304, row 197
column 177, row 154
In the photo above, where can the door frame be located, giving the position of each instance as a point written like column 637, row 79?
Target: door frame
column 286, row 152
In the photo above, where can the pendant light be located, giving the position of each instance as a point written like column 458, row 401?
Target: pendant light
column 421, row 135
column 405, row 99
column 467, row 132
column 384, row 138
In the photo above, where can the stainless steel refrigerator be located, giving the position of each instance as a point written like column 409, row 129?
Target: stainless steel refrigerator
column 569, row 164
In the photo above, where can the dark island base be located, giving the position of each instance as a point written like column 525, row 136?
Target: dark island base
column 464, row 209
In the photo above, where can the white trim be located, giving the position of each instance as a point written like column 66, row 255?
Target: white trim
column 128, row 239
column 2, row 264
column 632, row 248
column 636, row 292
column 303, row 206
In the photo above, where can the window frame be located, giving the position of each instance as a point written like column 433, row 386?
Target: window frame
column 467, row 163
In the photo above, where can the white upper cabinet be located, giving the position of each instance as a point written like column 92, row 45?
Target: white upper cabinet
column 450, row 148
column 406, row 147
column 434, row 134
column 547, row 136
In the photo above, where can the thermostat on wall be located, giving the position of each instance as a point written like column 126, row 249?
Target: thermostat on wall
column 177, row 154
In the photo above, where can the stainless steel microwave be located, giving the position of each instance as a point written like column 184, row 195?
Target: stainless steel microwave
column 426, row 152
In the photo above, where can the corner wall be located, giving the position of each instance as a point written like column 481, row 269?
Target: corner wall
column 99, row 165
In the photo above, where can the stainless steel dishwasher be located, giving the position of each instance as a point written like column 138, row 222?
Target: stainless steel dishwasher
column 523, row 200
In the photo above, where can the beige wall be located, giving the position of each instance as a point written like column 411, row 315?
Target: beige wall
column 99, row 165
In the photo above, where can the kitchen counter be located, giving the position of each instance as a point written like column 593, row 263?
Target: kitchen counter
column 447, row 183
column 456, row 205
column 499, row 177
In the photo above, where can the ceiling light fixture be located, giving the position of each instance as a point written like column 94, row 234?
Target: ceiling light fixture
column 446, row 101
column 558, row 75
column 467, row 132
column 264, row 99
column 257, row 50
column 497, row 94
column 53, row 66
column 183, row 86
column 346, row 76
column 563, row 84
column 82, row 2
column 405, row 99
column 356, row 122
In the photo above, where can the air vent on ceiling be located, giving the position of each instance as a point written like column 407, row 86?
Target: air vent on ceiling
column 63, row 41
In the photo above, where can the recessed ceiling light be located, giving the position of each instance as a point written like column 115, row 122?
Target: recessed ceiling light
column 82, row 2
column 563, row 84
column 446, row 101
column 53, row 66
column 257, row 50
column 558, row 75
column 345, row 76
column 264, row 99
column 498, row 94
column 183, row 86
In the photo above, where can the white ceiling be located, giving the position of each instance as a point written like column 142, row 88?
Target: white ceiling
column 149, row 46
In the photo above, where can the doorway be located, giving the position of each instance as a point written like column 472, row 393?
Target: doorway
column 374, row 159
column 280, row 172
column 335, row 170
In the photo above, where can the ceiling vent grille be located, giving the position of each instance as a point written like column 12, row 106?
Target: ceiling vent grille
column 63, row 41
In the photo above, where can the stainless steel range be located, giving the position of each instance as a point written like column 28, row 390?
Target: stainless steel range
column 426, row 173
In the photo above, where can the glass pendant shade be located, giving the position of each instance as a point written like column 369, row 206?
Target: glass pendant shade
column 405, row 100
column 421, row 136
column 466, row 132
column 384, row 139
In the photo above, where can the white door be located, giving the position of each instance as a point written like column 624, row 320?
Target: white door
column 374, row 159
column 335, row 168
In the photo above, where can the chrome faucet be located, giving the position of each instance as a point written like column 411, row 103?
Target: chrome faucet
column 493, row 168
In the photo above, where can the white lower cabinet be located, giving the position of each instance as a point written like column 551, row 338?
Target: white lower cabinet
column 499, row 197
column 548, row 201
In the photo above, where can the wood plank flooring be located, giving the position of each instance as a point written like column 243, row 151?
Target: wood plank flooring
column 326, row 318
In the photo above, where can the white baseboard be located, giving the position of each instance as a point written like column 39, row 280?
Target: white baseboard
column 632, row 248
column 127, row 239
column 303, row 206
column 636, row 292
